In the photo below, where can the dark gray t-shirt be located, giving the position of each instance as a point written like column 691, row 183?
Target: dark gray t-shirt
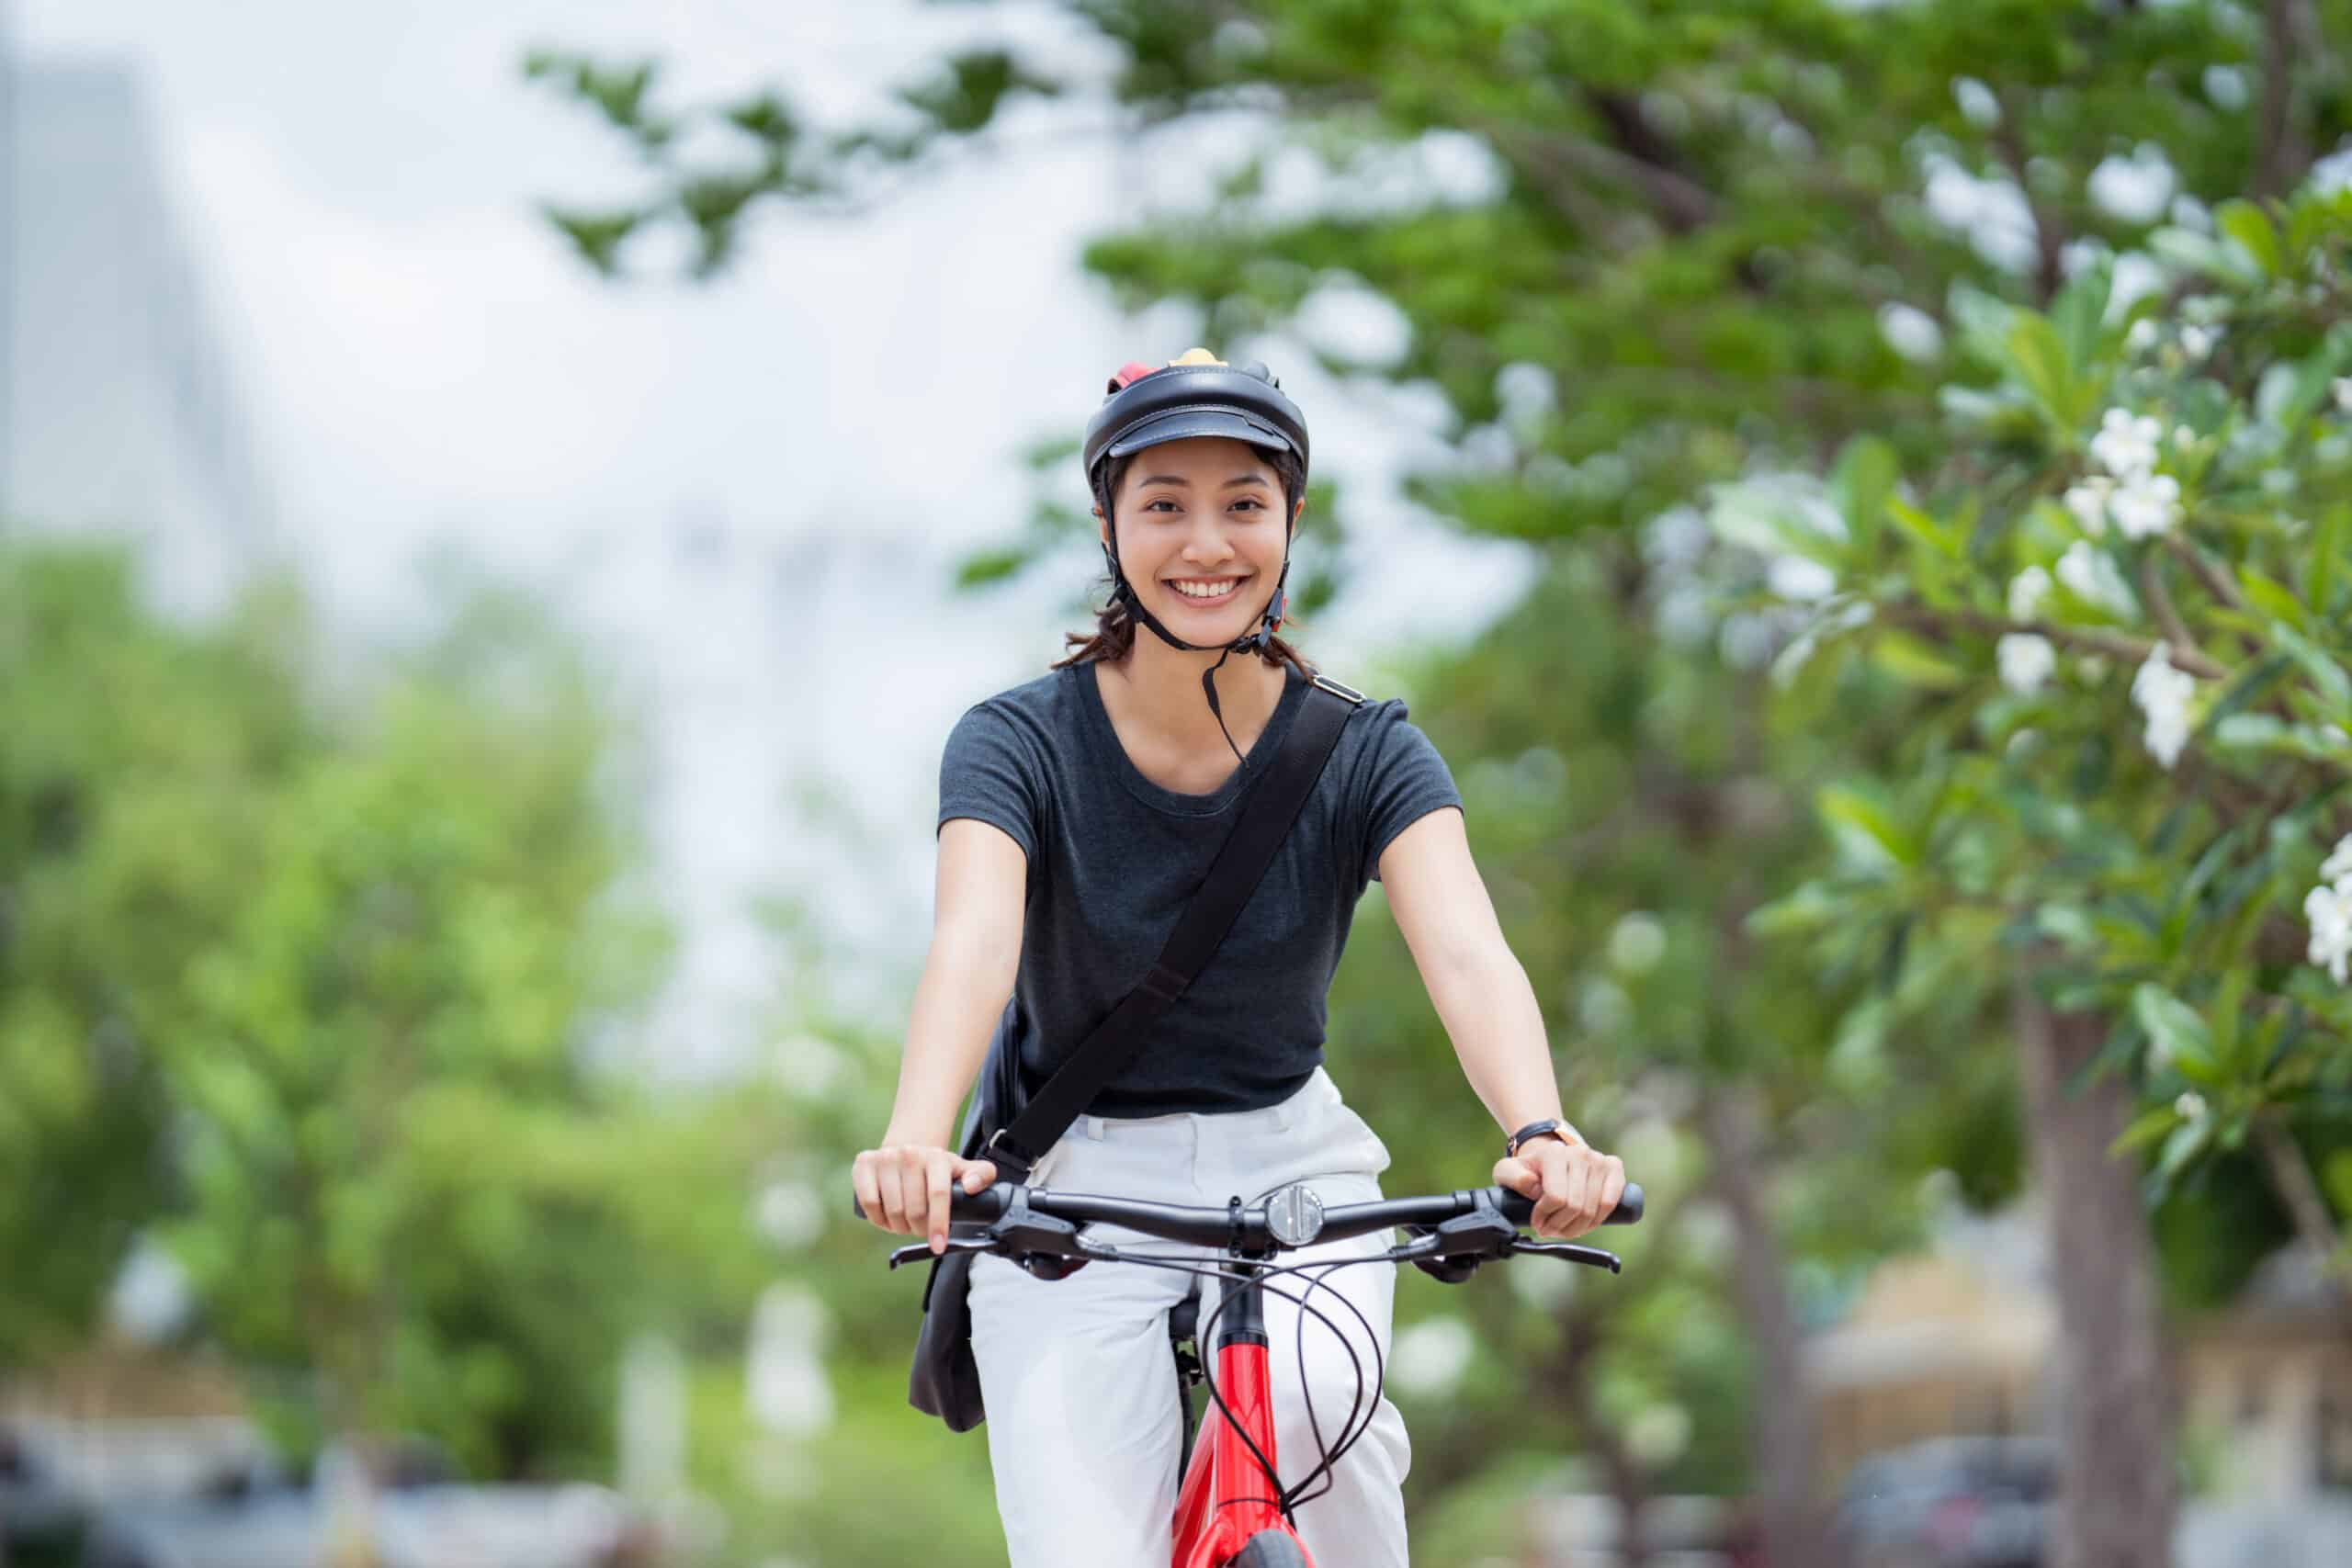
column 1113, row 858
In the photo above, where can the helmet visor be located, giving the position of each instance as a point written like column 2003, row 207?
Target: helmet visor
column 1183, row 424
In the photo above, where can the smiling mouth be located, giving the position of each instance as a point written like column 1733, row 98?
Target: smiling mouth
column 1229, row 587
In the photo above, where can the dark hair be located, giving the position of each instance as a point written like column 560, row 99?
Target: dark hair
column 1113, row 637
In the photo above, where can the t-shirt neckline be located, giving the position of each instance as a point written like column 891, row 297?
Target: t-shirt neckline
column 1260, row 754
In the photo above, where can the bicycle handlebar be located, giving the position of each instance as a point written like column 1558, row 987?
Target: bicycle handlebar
column 1248, row 1227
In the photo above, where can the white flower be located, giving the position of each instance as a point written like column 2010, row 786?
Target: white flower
column 2189, row 1107
column 2092, row 578
column 1977, row 104
column 1800, row 578
column 2162, row 693
column 2026, row 661
column 2331, row 174
column 2197, row 341
column 2088, row 502
column 2141, row 337
column 1637, row 944
column 2329, row 910
column 2341, row 388
column 1910, row 332
column 2338, row 863
column 2146, row 506
column 2125, row 446
column 2134, row 189
column 2028, row 591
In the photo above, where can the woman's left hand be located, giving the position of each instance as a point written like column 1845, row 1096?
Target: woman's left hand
column 1575, row 1185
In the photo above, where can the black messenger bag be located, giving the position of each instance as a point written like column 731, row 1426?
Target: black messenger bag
column 1015, row 1133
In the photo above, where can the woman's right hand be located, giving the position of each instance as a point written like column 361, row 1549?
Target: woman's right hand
column 903, row 1188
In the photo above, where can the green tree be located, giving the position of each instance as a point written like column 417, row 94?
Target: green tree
column 1709, row 227
column 2116, row 602
column 401, row 1174
column 135, row 747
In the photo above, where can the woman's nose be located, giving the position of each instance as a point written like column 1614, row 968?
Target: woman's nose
column 1206, row 544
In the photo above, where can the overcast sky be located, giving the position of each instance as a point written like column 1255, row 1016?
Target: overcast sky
column 421, row 359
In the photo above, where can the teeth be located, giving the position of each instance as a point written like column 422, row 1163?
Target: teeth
column 1190, row 591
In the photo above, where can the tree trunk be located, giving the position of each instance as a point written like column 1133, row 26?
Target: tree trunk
column 1782, row 1434
column 2116, row 1491
column 1629, row 1486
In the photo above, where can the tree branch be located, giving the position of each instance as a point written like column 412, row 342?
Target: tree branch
column 2215, row 576
column 2089, row 639
column 1686, row 202
column 2291, row 1174
column 2281, row 152
column 2049, row 234
column 1680, row 203
column 2159, row 598
column 1552, row 180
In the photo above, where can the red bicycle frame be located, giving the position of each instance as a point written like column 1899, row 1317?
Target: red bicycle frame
column 1226, row 1501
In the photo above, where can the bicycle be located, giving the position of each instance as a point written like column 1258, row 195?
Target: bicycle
column 1223, row 1519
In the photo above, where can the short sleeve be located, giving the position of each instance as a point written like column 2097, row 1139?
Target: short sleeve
column 1401, row 780
column 987, row 772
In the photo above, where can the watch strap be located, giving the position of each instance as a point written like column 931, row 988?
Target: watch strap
column 1550, row 1124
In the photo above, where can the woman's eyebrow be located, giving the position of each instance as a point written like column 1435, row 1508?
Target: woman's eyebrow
column 1182, row 483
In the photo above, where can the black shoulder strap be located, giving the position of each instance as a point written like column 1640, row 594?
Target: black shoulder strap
column 1240, row 865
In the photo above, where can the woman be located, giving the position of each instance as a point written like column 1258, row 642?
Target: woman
column 1078, row 814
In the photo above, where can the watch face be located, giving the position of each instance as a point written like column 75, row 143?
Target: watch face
column 1294, row 1214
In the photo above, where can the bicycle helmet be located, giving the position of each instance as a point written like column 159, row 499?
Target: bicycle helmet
column 1194, row 395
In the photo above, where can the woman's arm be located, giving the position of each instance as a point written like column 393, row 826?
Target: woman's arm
column 1489, row 1010
column 974, row 958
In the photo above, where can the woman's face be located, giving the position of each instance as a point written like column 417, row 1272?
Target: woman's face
column 1203, row 515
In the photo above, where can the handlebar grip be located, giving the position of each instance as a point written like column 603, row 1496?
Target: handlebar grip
column 988, row 1203
column 1518, row 1210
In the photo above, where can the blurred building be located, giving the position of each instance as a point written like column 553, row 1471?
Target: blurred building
column 1958, row 1341
column 2270, row 1383
column 117, row 411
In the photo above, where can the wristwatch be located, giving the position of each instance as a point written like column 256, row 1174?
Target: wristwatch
column 1551, row 1126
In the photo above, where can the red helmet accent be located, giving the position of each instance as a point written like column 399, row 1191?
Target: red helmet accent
column 1129, row 374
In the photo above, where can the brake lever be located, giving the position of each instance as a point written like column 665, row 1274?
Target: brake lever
column 921, row 1253
column 1573, row 1251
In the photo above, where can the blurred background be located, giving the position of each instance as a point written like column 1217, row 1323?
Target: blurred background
column 501, row 504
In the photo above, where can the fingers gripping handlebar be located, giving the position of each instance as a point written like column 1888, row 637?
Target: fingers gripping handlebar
column 1465, row 1225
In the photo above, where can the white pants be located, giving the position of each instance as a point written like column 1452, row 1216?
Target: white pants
column 1084, row 1430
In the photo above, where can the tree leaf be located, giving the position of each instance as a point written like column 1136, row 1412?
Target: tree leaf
column 2146, row 1129
column 1861, row 483
column 1944, row 540
column 1915, row 662
column 2038, row 360
column 2270, row 598
column 1864, row 822
column 2172, row 1026
column 2179, row 1149
column 2318, row 576
column 2334, row 684
column 2250, row 226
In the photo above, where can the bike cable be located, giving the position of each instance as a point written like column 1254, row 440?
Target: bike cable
column 1285, row 1498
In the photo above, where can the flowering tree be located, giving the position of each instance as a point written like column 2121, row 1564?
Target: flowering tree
column 1709, row 236
column 2118, row 593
